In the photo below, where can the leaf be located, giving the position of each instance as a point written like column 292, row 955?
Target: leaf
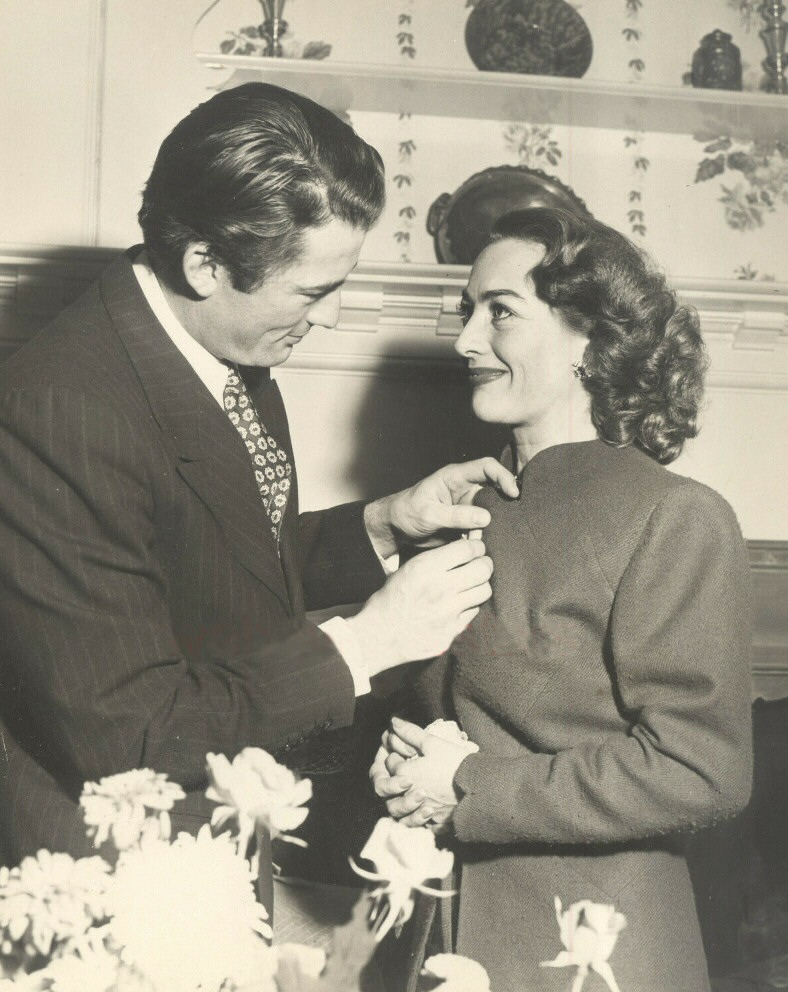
column 404, row 37
column 741, row 161
column 227, row 46
column 316, row 50
column 408, row 50
column 631, row 34
column 639, row 229
column 402, row 237
column 635, row 196
column 642, row 163
column 408, row 212
column 709, row 168
column 637, row 64
column 720, row 145
column 629, row 141
column 351, row 950
column 401, row 180
column 407, row 147
column 404, row 19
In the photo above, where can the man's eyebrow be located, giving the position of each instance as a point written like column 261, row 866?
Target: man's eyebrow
column 320, row 290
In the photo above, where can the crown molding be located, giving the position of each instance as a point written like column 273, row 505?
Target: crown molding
column 401, row 317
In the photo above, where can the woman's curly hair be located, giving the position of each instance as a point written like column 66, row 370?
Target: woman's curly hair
column 645, row 360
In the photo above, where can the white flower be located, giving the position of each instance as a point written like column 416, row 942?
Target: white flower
column 185, row 916
column 118, row 805
column 405, row 858
column 589, row 931
column 310, row 961
column 51, row 899
column 89, row 967
column 255, row 788
column 448, row 730
column 459, row 974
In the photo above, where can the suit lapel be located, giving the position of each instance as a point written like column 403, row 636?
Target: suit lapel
column 212, row 458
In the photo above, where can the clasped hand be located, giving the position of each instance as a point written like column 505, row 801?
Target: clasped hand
column 414, row 772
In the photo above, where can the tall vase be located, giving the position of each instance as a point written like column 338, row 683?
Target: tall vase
column 774, row 37
column 273, row 27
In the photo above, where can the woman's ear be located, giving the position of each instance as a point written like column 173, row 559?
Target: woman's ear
column 200, row 270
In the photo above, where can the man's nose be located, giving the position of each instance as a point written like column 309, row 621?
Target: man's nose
column 325, row 311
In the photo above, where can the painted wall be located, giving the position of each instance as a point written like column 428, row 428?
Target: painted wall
column 90, row 87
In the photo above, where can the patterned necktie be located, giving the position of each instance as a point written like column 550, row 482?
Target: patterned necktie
column 272, row 469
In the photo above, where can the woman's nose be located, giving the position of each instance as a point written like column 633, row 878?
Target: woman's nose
column 471, row 340
column 325, row 311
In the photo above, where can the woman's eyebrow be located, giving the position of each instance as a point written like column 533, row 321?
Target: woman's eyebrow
column 490, row 294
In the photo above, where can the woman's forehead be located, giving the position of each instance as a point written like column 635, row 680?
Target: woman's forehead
column 504, row 264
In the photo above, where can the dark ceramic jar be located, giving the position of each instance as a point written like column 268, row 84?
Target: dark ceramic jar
column 716, row 64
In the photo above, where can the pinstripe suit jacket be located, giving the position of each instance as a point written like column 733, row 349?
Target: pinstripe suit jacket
column 146, row 616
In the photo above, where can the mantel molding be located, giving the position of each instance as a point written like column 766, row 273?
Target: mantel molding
column 398, row 316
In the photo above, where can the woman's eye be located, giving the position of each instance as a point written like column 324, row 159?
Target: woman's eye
column 464, row 312
column 499, row 311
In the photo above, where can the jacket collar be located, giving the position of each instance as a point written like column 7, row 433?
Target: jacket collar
column 211, row 456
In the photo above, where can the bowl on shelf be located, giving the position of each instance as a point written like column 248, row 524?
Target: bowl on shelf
column 460, row 222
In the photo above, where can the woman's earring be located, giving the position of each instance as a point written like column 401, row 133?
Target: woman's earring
column 580, row 371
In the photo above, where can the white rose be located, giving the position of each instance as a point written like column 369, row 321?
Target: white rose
column 448, row 730
column 588, row 931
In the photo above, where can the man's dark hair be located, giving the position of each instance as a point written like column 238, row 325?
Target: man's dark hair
column 247, row 172
column 645, row 360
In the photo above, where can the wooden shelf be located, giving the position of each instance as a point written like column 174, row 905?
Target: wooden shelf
column 514, row 96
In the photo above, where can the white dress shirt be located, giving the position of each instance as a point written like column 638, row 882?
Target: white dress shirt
column 213, row 374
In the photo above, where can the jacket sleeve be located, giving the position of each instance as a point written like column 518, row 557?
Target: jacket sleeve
column 339, row 564
column 679, row 639
column 94, row 679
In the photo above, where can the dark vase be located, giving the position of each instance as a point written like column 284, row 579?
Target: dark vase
column 716, row 64
column 544, row 37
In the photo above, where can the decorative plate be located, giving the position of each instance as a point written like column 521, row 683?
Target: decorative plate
column 544, row 37
column 460, row 222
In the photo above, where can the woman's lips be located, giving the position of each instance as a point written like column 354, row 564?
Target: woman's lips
column 480, row 376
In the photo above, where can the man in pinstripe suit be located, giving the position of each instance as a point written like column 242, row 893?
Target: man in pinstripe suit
column 152, row 605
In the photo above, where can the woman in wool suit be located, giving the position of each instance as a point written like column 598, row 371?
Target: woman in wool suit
column 607, row 680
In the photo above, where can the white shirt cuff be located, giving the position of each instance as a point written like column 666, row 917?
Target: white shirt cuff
column 390, row 564
column 346, row 642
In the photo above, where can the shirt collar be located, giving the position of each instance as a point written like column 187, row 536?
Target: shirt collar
column 211, row 371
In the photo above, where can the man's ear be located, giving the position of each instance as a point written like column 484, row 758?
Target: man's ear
column 200, row 270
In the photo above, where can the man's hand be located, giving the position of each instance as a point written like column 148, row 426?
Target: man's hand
column 423, row 606
column 414, row 772
column 437, row 504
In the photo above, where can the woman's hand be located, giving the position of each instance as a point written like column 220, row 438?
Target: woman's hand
column 414, row 772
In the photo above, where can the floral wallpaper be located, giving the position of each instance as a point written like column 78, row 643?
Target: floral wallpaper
column 710, row 204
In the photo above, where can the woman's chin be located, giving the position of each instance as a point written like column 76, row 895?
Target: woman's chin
column 488, row 413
